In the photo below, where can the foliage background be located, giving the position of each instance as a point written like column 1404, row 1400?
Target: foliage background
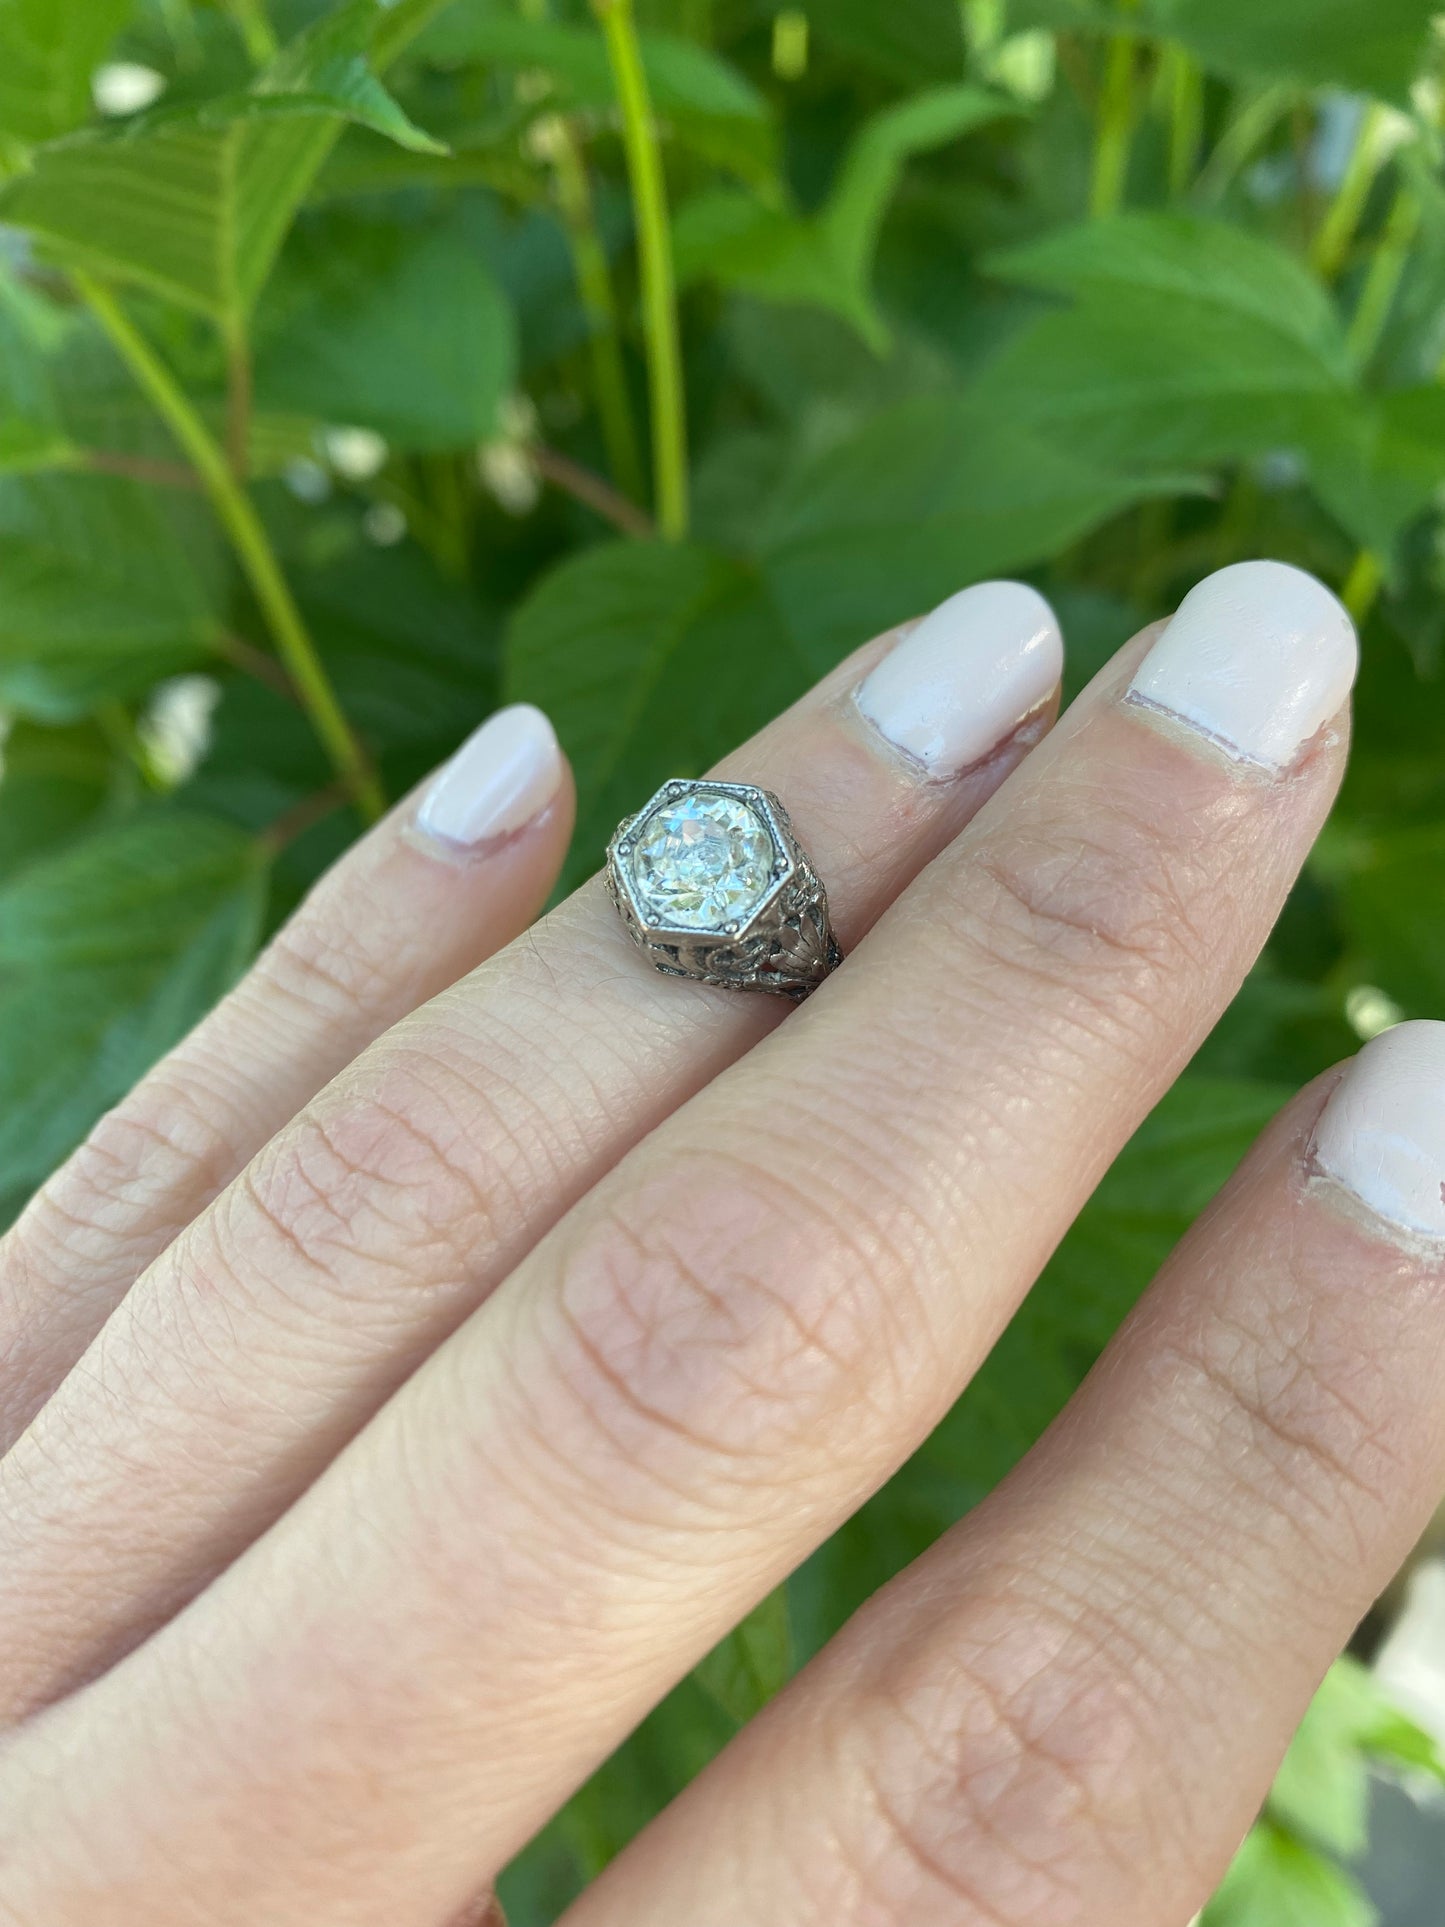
column 335, row 411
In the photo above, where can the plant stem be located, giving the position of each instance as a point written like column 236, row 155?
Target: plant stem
column 1186, row 121
column 585, row 487
column 1387, row 270
column 659, row 291
column 594, row 285
column 1240, row 140
column 256, row 30
column 1342, row 217
column 238, row 400
column 136, row 468
column 254, row 662
column 1116, row 127
column 247, row 533
column 1363, row 585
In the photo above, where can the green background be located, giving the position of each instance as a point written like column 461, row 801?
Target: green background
column 1104, row 295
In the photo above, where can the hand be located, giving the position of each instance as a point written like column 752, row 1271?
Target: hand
column 408, row 1384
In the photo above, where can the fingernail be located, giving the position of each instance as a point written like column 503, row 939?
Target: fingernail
column 966, row 677
column 503, row 775
column 1259, row 657
column 1382, row 1133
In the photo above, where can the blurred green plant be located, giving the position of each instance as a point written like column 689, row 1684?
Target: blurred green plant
column 333, row 341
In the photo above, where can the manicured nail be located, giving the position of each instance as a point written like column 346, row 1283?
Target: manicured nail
column 503, row 775
column 1259, row 657
column 967, row 676
column 1382, row 1133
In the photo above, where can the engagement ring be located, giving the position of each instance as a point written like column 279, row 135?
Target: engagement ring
column 713, row 885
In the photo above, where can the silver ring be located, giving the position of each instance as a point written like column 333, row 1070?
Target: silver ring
column 712, row 884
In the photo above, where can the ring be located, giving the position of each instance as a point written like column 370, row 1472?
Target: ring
column 712, row 884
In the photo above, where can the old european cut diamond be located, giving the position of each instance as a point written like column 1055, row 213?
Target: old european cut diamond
column 702, row 862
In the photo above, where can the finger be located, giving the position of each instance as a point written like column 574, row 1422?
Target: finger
column 1073, row 1706
column 372, row 1225
column 743, row 1330
column 448, row 878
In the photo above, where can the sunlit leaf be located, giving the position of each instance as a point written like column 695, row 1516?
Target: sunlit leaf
column 1322, row 1792
column 49, row 49
column 1188, row 341
column 195, row 205
column 1276, row 1881
column 1378, row 48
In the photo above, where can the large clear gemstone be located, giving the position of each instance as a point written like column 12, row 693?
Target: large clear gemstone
column 702, row 862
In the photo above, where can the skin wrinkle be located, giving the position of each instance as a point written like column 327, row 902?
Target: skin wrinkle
column 594, row 1289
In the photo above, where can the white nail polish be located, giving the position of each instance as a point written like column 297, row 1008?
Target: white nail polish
column 1382, row 1133
column 961, row 682
column 1259, row 657
column 503, row 775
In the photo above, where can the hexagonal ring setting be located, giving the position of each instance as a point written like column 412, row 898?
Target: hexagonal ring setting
column 712, row 884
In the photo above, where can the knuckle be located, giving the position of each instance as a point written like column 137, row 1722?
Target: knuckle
column 1006, row 1771
column 1104, row 902
column 1298, row 1421
column 316, row 959
column 701, row 1337
column 134, row 1177
column 381, row 1176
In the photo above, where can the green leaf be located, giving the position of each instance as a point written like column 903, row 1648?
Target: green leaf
column 699, row 98
column 54, row 783
column 930, row 495
column 1379, row 465
column 1378, row 49
column 907, row 42
column 397, row 329
column 1212, row 263
column 195, row 205
column 745, row 1670
column 827, row 260
column 106, row 590
column 48, row 51
column 109, row 952
column 1277, row 1882
column 1189, row 341
column 1389, row 882
column 327, row 68
column 33, row 332
column 1322, row 1792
